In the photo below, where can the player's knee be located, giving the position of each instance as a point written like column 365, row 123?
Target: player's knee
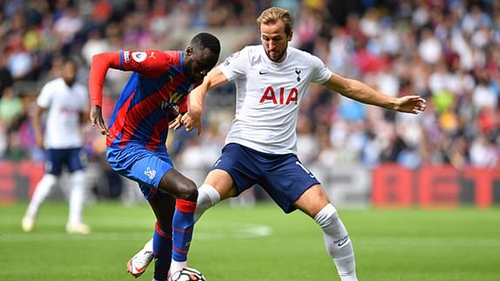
column 49, row 179
column 187, row 190
column 327, row 216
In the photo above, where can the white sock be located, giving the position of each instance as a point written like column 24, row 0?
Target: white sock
column 42, row 190
column 76, row 197
column 337, row 241
column 177, row 265
column 148, row 247
column 207, row 197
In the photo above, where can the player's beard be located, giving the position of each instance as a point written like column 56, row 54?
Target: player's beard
column 276, row 56
column 70, row 82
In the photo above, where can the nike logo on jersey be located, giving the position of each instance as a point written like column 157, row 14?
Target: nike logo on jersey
column 262, row 72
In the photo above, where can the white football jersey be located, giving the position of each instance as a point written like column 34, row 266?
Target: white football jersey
column 64, row 106
column 268, row 96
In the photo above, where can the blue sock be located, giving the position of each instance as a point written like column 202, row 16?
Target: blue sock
column 162, row 251
column 182, row 229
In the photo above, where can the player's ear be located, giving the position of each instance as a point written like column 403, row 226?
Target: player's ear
column 189, row 50
column 290, row 36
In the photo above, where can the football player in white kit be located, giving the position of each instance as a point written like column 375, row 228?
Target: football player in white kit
column 261, row 146
column 67, row 103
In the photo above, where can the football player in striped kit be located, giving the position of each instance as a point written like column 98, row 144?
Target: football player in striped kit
column 154, row 95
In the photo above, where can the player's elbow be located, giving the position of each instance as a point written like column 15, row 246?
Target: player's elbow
column 97, row 57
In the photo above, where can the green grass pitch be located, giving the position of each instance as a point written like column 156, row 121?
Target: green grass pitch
column 257, row 244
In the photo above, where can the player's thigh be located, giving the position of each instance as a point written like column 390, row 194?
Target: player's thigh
column 235, row 171
column 75, row 159
column 221, row 181
column 54, row 159
column 286, row 180
column 313, row 200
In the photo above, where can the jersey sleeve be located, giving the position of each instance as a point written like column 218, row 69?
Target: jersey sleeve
column 43, row 99
column 235, row 65
column 321, row 73
column 98, row 70
column 149, row 63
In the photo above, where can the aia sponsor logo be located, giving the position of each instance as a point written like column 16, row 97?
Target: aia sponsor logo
column 280, row 96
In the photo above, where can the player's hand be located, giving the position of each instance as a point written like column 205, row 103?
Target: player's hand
column 97, row 120
column 410, row 104
column 176, row 123
column 192, row 120
column 39, row 143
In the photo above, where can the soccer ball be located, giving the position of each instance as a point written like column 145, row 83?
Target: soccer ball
column 187, row 274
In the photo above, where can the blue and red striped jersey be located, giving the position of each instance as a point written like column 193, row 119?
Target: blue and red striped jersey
column 156, row 89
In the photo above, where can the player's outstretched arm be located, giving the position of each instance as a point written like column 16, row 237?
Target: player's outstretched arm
column 410, row 104
column 192, row 119
column 363, row 93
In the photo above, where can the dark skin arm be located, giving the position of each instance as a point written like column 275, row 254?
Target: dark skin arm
column 37, row 126
column 97, row 120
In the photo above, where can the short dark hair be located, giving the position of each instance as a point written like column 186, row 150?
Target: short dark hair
column 70, row 60
column 207, row 40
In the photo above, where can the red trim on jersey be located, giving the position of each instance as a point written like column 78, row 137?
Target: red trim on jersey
column 160, row 127
column 119, row 122
column 156, row 98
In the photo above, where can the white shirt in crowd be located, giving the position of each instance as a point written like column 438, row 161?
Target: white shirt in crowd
column 64, row 105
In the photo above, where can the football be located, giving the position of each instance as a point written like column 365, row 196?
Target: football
column 187, row 274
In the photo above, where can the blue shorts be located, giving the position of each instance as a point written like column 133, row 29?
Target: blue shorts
column 283, row 177
column 72, row 158
column 144, row 166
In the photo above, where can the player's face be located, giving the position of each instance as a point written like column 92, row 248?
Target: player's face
column 69, row 73
column 200, row 62
column 274, row 40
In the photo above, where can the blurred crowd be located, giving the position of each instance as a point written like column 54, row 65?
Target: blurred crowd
column 447, row 51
